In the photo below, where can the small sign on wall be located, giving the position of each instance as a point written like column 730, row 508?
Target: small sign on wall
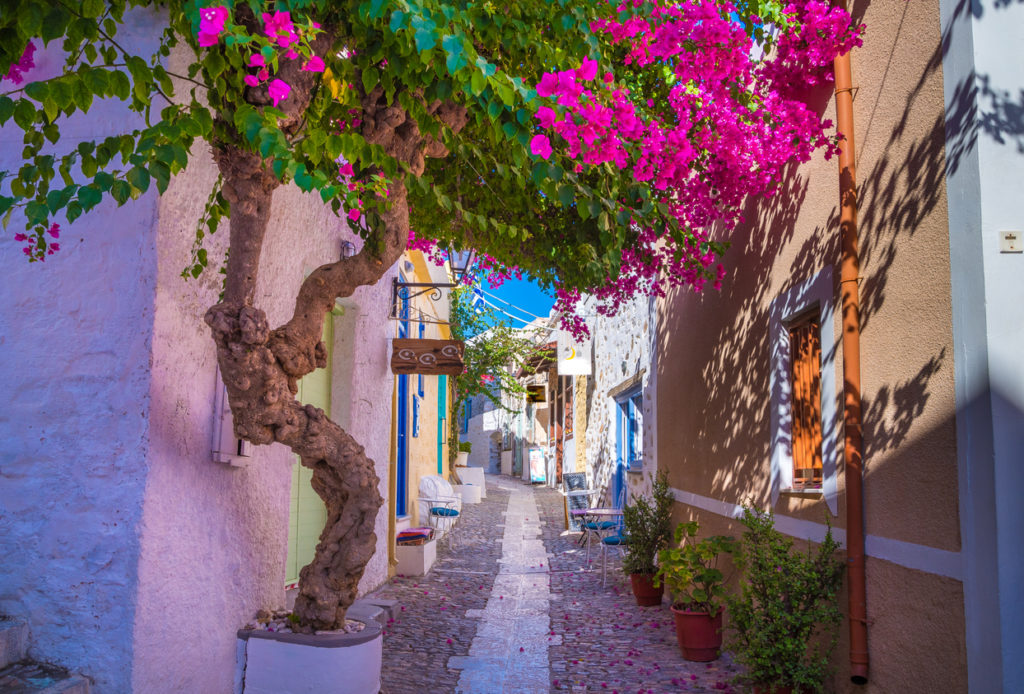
column 428, row 357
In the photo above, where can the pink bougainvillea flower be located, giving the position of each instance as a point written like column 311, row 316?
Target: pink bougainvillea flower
column 546, row 116
column 211, row 24
column 587, row 71
column 346, row 170
column 256, row 60
column 279, row 29
column 263, row 75
column 541, row 146
column 251, row 80
column 54, row 230
column 279, row 91
column 314, row 64
column 24, row 64
column 548, row 85
column 354, row 215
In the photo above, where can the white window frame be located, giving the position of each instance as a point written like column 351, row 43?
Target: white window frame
column 815, row 291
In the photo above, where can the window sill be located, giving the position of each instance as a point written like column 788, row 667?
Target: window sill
column 803, row 493
column 634, row 471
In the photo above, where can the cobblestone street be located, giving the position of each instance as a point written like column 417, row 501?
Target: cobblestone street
column 514, row 609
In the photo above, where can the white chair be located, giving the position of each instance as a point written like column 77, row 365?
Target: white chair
column 440, row 505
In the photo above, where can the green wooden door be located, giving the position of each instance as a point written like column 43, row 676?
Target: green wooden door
column 308, row 515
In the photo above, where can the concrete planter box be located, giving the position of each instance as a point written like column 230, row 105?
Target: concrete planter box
column 470, row 493
column 415, row 560
column 474, row 476
column 270, row 663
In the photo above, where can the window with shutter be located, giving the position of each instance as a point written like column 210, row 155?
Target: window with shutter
column 805, row 377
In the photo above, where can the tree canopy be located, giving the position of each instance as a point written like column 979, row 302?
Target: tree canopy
column 600, row 142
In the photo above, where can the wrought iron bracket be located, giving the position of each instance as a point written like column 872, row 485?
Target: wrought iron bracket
column 406, row 291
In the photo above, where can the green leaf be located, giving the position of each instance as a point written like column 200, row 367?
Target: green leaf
column 485, row 67
column 425, row 40
column 6, row 109
column 120, row 191
column 120, row 85
column 139, row 178
column 50, row 109
column 92, row 8
column 397, row 21
column 452, row 45
column 477, row 83
column 566, row 194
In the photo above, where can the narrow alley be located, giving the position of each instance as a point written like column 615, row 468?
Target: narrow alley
column 514, row 609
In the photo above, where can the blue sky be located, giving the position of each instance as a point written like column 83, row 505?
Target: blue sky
column 521, row 293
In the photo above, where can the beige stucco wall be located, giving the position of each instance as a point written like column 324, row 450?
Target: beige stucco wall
column 713, row 349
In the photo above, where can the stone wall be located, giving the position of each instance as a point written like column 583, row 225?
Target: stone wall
column 623, row 351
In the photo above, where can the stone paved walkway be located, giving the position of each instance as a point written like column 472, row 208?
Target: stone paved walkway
column 514, row 609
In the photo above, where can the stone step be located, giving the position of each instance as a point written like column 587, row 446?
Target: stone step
column 13, row 641
column 28, row 677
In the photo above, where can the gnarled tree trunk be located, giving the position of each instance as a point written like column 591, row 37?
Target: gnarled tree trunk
column 261, row 367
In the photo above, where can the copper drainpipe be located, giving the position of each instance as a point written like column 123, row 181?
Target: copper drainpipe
column 849, row 276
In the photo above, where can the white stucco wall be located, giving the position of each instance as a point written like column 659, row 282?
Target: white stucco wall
column 133, row 555
column 983, row 76
column 75, row 339
column 623, row 349
column 213, row 536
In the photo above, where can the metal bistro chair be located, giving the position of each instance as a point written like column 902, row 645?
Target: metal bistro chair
column 440, row 505
column 617, row 540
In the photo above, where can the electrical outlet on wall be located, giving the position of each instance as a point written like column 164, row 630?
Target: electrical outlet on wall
column 1010, row 242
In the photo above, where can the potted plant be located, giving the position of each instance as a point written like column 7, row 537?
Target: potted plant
column 648, row 527
column 462, row 457
column 783, row 622
column 697, row 586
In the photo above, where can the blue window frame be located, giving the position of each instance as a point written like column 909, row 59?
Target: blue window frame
column 467, row 413
column 416, row 415
column 629, row 437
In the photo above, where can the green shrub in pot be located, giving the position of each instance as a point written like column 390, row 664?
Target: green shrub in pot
column 783, row 622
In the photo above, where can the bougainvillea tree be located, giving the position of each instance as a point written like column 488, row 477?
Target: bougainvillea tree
column 593, row 145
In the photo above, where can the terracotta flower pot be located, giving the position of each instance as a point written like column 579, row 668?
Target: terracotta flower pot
column 644, row 590
column 699, row 635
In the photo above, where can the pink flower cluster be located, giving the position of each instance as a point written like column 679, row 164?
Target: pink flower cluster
column 730, row 125
column 36, row 246
column 281, row 32
column 24, row 64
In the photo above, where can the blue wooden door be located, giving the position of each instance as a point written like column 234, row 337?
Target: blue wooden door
column 402, row 447
column 442, row 416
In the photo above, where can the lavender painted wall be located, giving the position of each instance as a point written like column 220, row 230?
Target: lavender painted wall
column 75, row 339
column 132, row 555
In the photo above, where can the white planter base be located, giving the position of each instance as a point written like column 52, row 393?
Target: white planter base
column 470, row 493
column 415, row 560
column 474, row 476
column 310, row 664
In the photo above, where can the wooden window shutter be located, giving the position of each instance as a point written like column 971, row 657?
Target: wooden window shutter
column 805, row 374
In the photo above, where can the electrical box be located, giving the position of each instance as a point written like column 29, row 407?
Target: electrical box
column 1010, row 242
